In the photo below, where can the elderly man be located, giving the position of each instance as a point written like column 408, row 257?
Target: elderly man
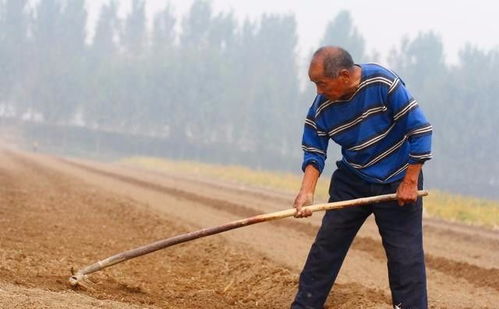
column 384, row 139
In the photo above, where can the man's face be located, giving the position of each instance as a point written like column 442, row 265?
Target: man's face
column 331, row 88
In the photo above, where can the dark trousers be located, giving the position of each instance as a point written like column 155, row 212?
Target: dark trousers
column 399, row 226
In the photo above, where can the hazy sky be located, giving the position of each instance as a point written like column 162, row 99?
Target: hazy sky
column 382, row 23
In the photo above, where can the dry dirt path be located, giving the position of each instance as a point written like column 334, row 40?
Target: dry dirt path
column 92, row 210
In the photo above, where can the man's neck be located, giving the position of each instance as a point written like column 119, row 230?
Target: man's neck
column 355, row 82
column 357, row 74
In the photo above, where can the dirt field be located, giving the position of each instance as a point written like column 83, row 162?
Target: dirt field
column 59, row 213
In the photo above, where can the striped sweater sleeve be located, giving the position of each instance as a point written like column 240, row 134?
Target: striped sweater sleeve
column 417, row 129
column 314, row 141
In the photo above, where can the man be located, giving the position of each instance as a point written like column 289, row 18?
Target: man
column 384, row 139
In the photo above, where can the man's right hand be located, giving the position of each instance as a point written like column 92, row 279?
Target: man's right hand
column 303, row 199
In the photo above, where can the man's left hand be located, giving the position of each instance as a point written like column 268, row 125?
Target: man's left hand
column 407, row 192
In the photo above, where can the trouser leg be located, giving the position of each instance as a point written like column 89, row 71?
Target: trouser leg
column 401, row 230
column 328, row 251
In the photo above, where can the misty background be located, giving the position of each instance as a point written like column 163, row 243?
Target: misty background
column 207, row 86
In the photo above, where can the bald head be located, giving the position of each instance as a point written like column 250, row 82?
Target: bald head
column 333, row 72
column 333, row 59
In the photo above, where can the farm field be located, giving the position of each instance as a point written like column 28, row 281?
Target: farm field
column 57, row 213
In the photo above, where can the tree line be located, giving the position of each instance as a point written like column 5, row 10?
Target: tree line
column 207, row 78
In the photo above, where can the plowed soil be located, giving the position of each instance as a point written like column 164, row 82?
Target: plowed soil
column 58, row 213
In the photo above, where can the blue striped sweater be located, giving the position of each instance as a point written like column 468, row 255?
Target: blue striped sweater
column 381, row 129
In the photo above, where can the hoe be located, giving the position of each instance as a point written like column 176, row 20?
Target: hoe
column 78, row 278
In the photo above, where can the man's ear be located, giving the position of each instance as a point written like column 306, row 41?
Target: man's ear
column 345, row 74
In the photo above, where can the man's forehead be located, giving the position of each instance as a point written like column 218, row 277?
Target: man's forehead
column 317, row 61
column 315, row 70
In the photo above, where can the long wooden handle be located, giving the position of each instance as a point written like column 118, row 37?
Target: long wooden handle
column 161, row 244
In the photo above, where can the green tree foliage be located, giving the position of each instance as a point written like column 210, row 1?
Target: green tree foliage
column 74, row 69
column 47, row 67
column 342, row 32
column 470, row 122
column 162, row 84
column 58, row 64
column 134, row 37
column 131, row 76
column 101, row 107
column 276, row 41
column 205, row 42
column 13, row 50
column 163, row 33
column 103, row 45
